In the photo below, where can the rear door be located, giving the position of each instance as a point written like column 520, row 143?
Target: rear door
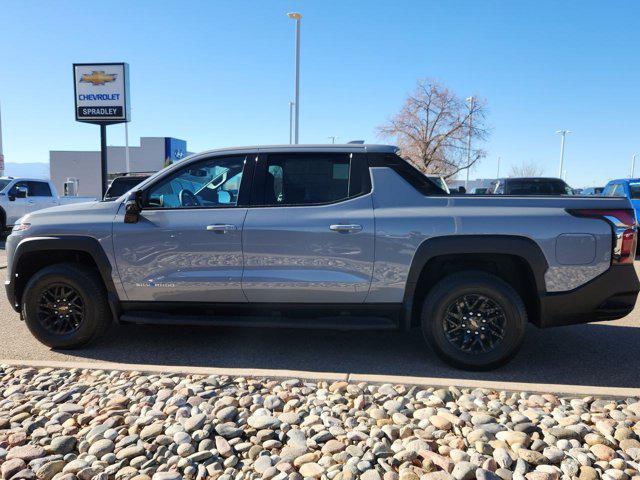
column 309, row 233
column 187, row 245
column 40, row 196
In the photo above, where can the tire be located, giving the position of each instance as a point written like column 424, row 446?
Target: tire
column 485, row 341
column 89, row 311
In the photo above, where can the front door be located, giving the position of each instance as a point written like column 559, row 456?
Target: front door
column 309, row 235
column 16, row 206
column 187, row 245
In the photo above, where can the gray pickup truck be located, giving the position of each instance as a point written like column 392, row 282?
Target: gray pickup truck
column 338, row 236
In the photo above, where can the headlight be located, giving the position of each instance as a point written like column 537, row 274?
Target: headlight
column 20, row 227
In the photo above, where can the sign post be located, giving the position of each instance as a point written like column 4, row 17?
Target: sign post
column 101, row 93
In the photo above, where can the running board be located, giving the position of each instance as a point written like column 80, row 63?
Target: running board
column 342, row 322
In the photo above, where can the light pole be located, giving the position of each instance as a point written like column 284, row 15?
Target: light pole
column 333, row 139
column 296, row 16
column 563, row 134
column 633, row 164
column 470, row 100
column 291, row 122
column 126, row 147
column 498, row 174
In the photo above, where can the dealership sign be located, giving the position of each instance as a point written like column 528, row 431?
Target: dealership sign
column 101, row 92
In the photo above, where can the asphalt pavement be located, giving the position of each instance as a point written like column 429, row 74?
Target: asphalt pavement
column 601, row 354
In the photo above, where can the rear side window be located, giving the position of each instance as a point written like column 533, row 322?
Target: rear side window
column 634, row 190
column 614, row 190
column 307, row 178
column 408, row 172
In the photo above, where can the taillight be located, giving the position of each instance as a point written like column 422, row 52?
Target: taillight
column 625, row 231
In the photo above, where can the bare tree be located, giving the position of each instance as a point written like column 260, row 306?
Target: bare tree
column 526, row 169
column 432, row 129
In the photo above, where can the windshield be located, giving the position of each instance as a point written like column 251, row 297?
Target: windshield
column 3, row 183
column 537, row 186
column 122, row 185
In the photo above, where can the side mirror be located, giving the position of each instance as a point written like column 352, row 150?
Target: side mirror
column 133, row 207
column 21, row 192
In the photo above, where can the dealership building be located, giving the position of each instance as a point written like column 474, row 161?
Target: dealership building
column 84, row 166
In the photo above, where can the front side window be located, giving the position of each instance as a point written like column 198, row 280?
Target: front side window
column 39, row 189
column 307, row 179
column 214, row 182
column 18, row 185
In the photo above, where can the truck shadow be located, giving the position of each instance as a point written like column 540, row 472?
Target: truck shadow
column 596, row 354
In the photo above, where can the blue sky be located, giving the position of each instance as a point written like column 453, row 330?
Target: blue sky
column 220, row 73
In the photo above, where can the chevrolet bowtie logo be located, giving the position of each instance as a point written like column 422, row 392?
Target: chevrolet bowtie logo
column 98, row 77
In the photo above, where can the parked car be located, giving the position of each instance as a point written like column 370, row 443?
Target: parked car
column 123, row 183
column 338, row 237
column 20, row 196
column 530, row 186
column 625, row 187
column 592, row 191
column 480, row 191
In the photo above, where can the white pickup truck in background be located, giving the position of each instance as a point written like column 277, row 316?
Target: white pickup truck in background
column 19, row 196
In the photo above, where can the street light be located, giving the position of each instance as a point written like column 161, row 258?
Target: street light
column 291, row 104
column 562, row 133
column 633, row 164
column 470, row 100
column 296, row 16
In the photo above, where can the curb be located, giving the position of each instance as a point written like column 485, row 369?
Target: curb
column 557, row 389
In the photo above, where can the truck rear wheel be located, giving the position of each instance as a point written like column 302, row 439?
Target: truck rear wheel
column 474, row 320
column 65, row 306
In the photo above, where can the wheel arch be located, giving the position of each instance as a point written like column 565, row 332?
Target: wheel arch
column 33, row 254
column 502, row 255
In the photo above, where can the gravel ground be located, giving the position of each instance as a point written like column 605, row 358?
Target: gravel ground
column 92, row 424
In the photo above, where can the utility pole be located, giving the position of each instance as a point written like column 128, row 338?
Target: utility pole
column 470, row 100
column 297, row 16
column 633, row 164
column 563, row 134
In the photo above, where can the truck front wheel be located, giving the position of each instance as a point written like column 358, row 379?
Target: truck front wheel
column 65, row 306
column 474, row 320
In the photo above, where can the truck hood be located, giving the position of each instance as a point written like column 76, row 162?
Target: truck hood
column 92, row 207
column 86, row 218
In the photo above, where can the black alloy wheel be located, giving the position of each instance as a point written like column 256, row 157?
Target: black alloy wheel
column 474, row 320
column 474, row 323
column 61, row 309
column 65, row 305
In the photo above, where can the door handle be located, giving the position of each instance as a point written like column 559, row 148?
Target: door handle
column 30, row 201
column 346, row 228
column 221, row 228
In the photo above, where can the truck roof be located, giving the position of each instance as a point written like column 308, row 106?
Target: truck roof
column 26, row 179
column 348, row 147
